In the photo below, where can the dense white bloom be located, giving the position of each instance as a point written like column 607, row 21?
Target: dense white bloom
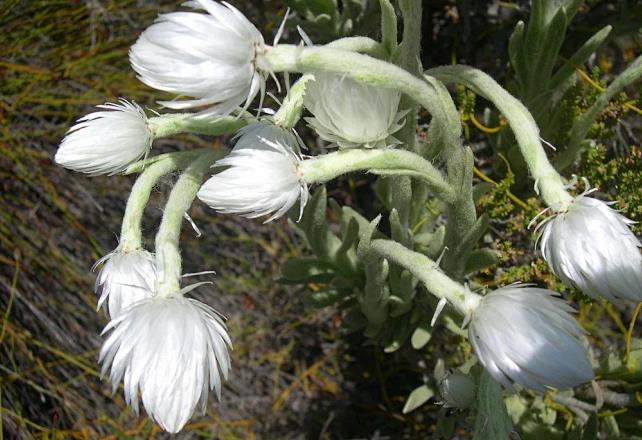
column 169, row 351
column 214, row 57
column 527, row 335
column 106, row 142
column 351, row 114
column 263, row 175
column 125, row 278
column 590, row 246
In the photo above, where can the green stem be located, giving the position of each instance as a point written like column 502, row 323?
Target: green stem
column 549, row 182
column 427, row 271
column 368, row 70
column 583, row 124
column 130, row 235
column 383, row 162
column 175, row 123
column 168, row 257
column 359, row 44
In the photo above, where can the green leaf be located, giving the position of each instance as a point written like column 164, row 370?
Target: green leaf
column 388, row 26
column 481, row 189
column 492, row 421
column 421, row 336
column 301, row 269
column 481, row 259
column 579, row 57
column 315, row 225
column 591, row 428
column 417, row 397
column 323, row 298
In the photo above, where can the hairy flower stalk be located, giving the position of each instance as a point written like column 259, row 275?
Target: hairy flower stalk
column 169, row 352
column 128, row 274
column 527, row 335
column 350, row 114
column 168, row 258
column 519, row 333
column 215, row 58
column 590, row 246
column 263, row 175
column 108, row 141
column 383, row 162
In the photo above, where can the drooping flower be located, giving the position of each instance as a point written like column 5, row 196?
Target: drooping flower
column 263, row 175
column 590, row 246
column 351, row 114
column 125, row 278
column 215, row 58
column 106, row 142
column 169, row 351
column 527, row 335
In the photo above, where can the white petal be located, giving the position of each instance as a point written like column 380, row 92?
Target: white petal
column 124, row 279
column 263, row 176
column 591, row 247
column 210, row 57
column 106, row 142
column 351, row 114
column 526, row 335
column 169, row 351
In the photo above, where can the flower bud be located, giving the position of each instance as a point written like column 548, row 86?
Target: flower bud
column 106, row 142
column 527, row 335
column 213, row 58
column 590, row 246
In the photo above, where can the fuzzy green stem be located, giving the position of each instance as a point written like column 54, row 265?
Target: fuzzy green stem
column 427, row 271
column 388, row 26
column 361, row 45
column 549, row 182
column 171, row 124
column 168, row 257
column 368, row 70
column 130, row 235
column 383, row 162
column 290, row 112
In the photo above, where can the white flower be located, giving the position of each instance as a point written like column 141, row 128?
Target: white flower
column 168, row 351
column 527, row 335
column 263, row 175
column 106, row 142
column 351, row 114
column 214, row 57
column 125, row 278
column 590, row 246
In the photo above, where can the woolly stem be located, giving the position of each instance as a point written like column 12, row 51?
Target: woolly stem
column 171, row 124
column 427, row 271
column 168, row 257
column 382, row 162
column 130, row 235
column 547, row 179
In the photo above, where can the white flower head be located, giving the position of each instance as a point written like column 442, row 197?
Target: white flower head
column 350, row 114
column 590, row 246
column 169, row 351
column 214, row 57
column 263, row 175
column 125, row 278
column 106, row 142
column 527, row 335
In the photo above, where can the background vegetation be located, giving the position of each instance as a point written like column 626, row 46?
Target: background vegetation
column 297, row 374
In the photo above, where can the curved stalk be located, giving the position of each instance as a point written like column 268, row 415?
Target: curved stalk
column 547, row 179
column 168, row 257
column 130, row 235
column 427, row 271
column 383, row 162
